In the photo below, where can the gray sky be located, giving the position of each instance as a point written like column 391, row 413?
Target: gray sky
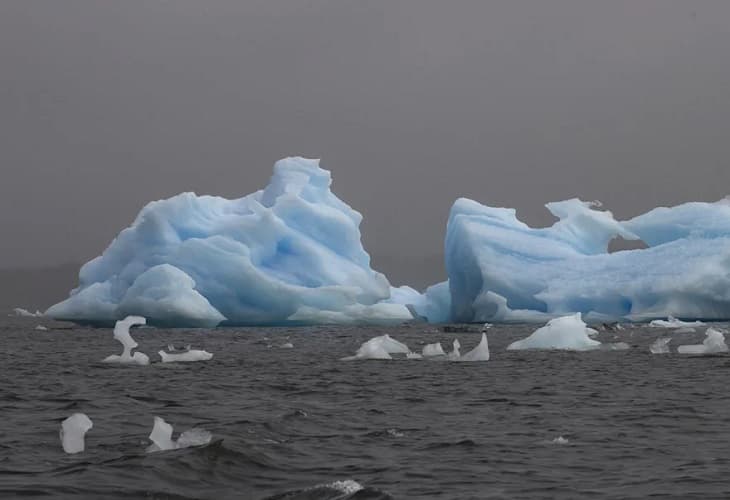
column 105, row 105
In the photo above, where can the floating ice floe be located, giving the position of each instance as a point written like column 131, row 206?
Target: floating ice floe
column 432, row 350
column 161, row 437
column 72, row 433
column 184, row 356
column 286, row 345
column 567, row 332
column 502, row 270
column 455, row 354
column 560, row 440
column 41, row 328
column 479, row 353
column 380, row 347
column 660, row 346
column 288, row 254
column 714, row 343
column 121, row 333
column 672, row 322
column 19, row 311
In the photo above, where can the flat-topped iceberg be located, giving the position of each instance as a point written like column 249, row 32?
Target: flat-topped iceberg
column 502, row 270
column 288, row 254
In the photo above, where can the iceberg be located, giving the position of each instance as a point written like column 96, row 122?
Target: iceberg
column 285, row 255
column 479, row 353
column 432, row 350
column 121, row 333
column 455, row 354
column 72, row 433
column 161, row 437
column 714, row 343
column 501, row 270
column 380, row 347
column 568, row 333
column 660, row 346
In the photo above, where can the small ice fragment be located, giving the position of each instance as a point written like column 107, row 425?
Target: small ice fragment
column 455, row 354
column 479, row 353
column 615, row 346
column 486, row 326
column 431, row 350
column 72, row 432
column 567, row 332
column 560, row 440
column 714, row 343
column 121, row 333
column 660, row 346
column 672, row 322
column 185, row 356
column 161, row 437
column 19, row 311
column 414, row 355
column 379, row 348
column 287, row 345
column 41, row 328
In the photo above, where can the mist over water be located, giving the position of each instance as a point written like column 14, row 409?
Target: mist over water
column 287, row 423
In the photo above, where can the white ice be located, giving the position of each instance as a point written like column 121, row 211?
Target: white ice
column 672, row 322
column 121, row 333
column 161, row 437
column 19, row 311
column 185, row 356
column 567, row 332
column 72, row 433
column 432, row 350
column 479, row 353
column 380, row 347
column 500, row 269
column 714, row 343
column 455, row 354
column 288, row 254
column 660, row 346
column 41, row 328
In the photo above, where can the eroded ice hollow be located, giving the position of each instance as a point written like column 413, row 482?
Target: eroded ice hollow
column 288, row 254
column 502, row 270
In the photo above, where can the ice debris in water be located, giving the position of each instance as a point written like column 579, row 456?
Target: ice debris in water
column 184, row 356
column 121, row 333
column 41, row 328
column 19, row 311
column 714, row 343
column 432, row 350
column 288, row 254
column 501, row 270
column 660, row 346
column 161, row 437
column 380, row 347
column 455, row 354
column 479, row 353
column 72, row 433
column 567, row 332
column 560, row 440
column 672, row 322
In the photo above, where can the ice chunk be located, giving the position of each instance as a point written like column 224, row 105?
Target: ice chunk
column 434, row 305
column 672, row 322
column 479, row 353
column 19, row 311
column 714, row 343
column 288, row 254
column 500, row 269
column 560, row 440
column 567, row 332
column 414, row 355
column 660, row 346
column 161, row 437
column 41, row 328
column 431, row 350
column 454, row 355
column 287, row 345
column 72, row 433
column 185, row 356
column 121, row 333
column 380, row 348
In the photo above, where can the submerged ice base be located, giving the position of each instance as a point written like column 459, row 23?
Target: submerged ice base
column 288, row 254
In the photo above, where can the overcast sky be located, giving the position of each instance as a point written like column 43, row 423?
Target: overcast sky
column 105, row 105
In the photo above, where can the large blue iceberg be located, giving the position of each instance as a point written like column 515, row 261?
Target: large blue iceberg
column 288, row 254
column 502, row 270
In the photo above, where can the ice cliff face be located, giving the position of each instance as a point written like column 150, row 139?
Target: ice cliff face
column 500, row 269
column 290, row 253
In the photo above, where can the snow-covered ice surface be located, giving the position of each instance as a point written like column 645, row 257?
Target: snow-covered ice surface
column 288, row 254
column 714, row 343
column 502, row 270
column 121, row 333
column 567, row 332
column 72, row 432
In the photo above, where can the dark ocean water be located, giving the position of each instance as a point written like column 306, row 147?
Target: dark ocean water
column 288, row 423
